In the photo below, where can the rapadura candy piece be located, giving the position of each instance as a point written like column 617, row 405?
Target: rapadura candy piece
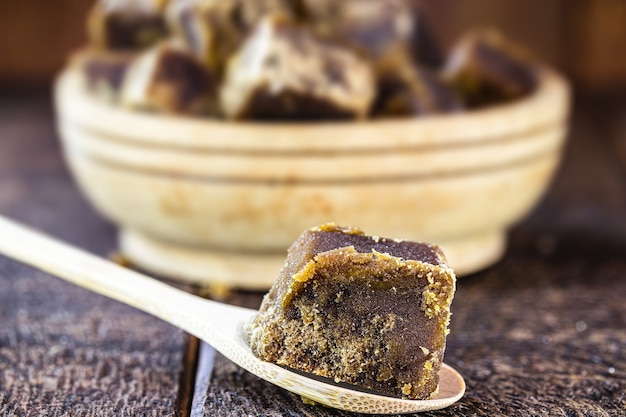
column 170, row 79
column 488, row 69
column 126, row 25
column 283, row 72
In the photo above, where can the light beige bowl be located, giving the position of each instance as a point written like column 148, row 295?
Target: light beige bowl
column 218, row 203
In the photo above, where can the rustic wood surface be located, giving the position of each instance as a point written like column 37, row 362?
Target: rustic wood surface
column 65, row 351
column 542, row 333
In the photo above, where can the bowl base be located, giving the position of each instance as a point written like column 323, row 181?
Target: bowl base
column 252, row 271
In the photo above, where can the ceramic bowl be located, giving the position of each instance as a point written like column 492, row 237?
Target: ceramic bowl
column 215, row 202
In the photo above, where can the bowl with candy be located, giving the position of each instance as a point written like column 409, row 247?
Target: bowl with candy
column 213, row 132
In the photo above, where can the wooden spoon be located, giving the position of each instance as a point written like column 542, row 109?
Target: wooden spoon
column 218, row 324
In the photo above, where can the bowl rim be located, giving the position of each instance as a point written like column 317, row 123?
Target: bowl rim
column 547, row 106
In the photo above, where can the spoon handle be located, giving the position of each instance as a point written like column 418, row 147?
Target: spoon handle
column 206, row 319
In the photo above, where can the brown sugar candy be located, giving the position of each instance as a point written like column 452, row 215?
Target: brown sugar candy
column 104, row 71
column 284, row 72
column 486, row 69
column 170, row 79
column 375, row 28
column 126, row 25
column 361, row 310
column 395, row 38
column 405, row 89
column 215, row 29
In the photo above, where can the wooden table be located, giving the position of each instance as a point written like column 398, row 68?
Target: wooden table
column 542, row 333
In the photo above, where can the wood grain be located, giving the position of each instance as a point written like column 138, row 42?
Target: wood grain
column 63, row 350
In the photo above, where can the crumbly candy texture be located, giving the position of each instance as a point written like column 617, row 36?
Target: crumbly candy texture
column 362, row 310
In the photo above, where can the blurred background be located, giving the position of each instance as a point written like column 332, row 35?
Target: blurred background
column 585, row 39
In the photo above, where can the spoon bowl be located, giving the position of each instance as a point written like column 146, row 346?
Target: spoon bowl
column 218, row 324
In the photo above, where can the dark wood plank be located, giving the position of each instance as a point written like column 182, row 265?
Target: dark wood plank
column 65, row 351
